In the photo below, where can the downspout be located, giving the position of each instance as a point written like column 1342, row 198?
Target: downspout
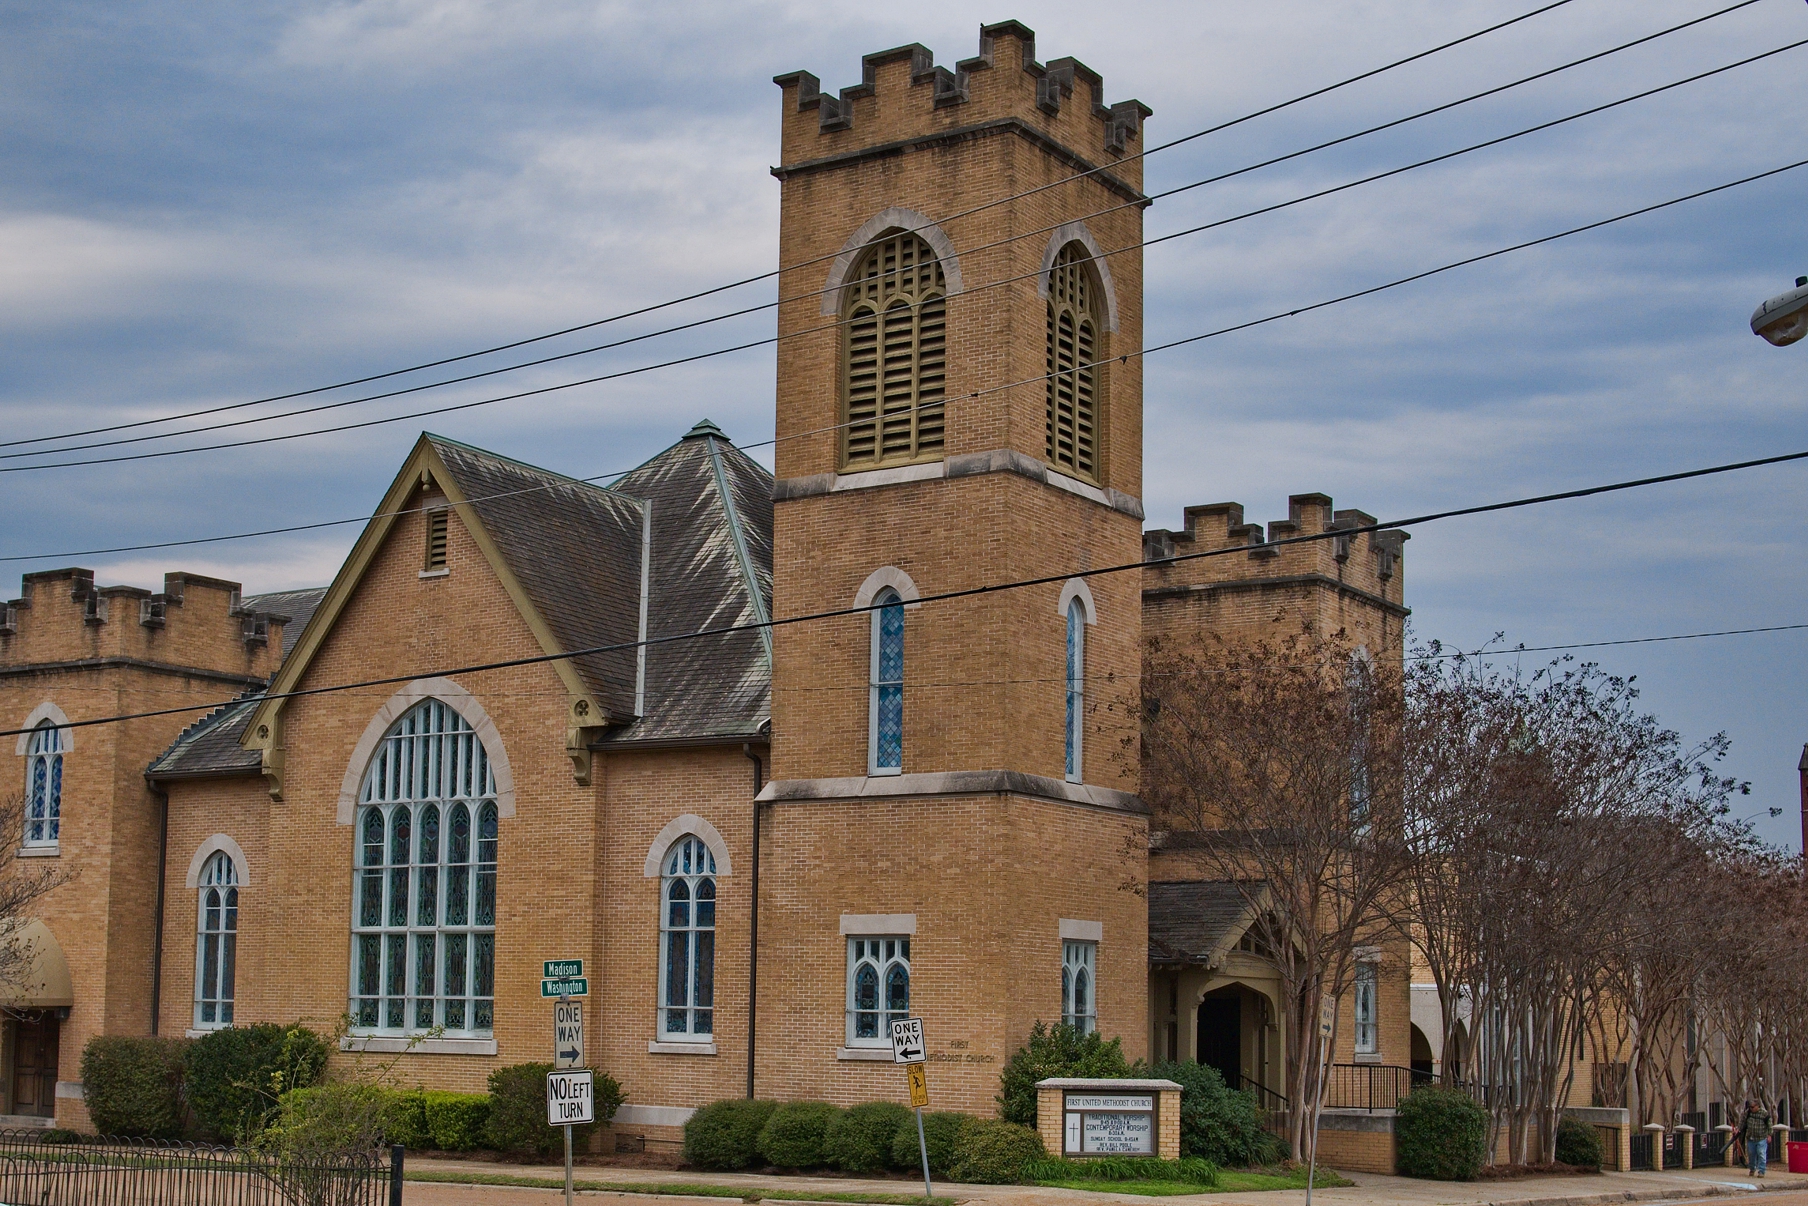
column 157, row 942
column 753, row 927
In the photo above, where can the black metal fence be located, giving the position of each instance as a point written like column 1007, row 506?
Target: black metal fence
column 1368, row 1087
column 1642, row 1152
column 1710, row 1147
column 137, row 1172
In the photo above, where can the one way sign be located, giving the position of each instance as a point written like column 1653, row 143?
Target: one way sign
column 907, row 1041
column 567, row 1035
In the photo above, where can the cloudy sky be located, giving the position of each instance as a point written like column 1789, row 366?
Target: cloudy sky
column 204, row 203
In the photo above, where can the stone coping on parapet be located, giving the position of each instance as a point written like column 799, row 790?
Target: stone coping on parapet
column 949, row 783
column 971, row 464
column 1107, row 1085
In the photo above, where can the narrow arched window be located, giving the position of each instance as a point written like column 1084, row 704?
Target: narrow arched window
column 424, row 917
column 687, row 923
column 43, row 785
column 895, row 318
column 1073, row 350
column 1359, row 691
column 216, row 942
column 1079, row 998
column 885, row 737
column 1076, row 686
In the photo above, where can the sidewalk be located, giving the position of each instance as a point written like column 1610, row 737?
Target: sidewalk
column 1371, row 1189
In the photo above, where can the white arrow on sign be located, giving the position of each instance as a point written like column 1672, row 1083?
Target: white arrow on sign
column 567, row 1034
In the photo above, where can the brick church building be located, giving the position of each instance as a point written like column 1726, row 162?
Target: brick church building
column 763, row 842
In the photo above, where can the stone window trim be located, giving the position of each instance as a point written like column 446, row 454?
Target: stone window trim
column 1076, row 232
column 405, row 1045
column 1076, row 588
column 1081, row 931
column 454, row 697
column 46, row 711
column 657, row 1047
column 892, row 576
column 681, row 826
column 216, row 844
column 894, row 218
column 878, row 924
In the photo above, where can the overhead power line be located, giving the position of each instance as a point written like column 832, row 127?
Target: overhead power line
column 775, row 339
column 983, row 247
column 715, row 289
column 964, row 593
column 1013, row 385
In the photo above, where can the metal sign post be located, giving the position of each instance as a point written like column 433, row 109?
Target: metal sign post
column 570, row 1087
column 570, row 1101
column 1327, row 1022
column 909, row 1048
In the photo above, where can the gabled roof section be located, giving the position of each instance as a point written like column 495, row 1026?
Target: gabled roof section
column 1199, row 922
column 298, row 605
column 210, row 746
column 709, row 508
column 575, row 549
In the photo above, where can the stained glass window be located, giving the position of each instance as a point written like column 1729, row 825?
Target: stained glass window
column 878, row 988
column 1076, row 686
column 1367, row 1036
column 424, row 921
column 43, row 786
column 216, row 942
column 687, row 985
column 887, row 704
column 1079, row 985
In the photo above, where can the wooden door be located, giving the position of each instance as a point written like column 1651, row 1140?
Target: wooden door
column 35, row 1066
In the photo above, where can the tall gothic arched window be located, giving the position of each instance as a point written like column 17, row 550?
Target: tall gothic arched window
column 1076, row 687
column 424, row 921
column 687, row 987
column 895, row 354
column 1073, row 349
column 216, row 942
column 885, row 715
column 43, row 785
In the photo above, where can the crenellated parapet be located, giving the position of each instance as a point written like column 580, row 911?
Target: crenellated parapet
column 62, row 616
column 1353, row 582
column 903, row 95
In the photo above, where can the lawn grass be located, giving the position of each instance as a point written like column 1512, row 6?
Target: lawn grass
column 682, row 1189
column 1230, row 1180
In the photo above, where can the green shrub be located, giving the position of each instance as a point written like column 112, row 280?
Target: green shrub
column 1190, row 1170
column 1578, row 1143
column 405, row 1119
column 329, row 1118
column 1217, row 1124
column 940, row 1130
column 517, row 1121
column 1440, row 1134
column 859, row 1138
column 455, row 1120
column 726, row 1134
column 58, row 1134
column 992, row 1152
column 233, row 1077
column 1058, row 1050
column 792, row 1137
column 134, row 1085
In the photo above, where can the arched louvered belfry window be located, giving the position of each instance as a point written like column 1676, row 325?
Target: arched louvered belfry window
column 895, row 318
column 424, row 917
column 1073, row 349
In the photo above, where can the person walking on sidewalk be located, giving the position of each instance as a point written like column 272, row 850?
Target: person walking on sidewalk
column 1754, row 1127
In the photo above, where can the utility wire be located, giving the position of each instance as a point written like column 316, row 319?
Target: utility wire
column 835, row 427
column 972, row 251
column 966, row 592
column 626, row 314
column 775, row 339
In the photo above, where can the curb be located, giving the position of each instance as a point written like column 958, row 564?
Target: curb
column 1708, row 1189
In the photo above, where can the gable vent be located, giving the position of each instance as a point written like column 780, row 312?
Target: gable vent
column 436, row 539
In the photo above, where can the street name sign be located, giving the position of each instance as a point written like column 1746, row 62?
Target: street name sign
column 578, row 987
column 567, row 1034
column 562, row 969
column 907, row 1046
column 570, row 1098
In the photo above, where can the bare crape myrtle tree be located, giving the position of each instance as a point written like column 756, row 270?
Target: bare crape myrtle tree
column 1559, row 844
column 22, row 882
column 1274, row 764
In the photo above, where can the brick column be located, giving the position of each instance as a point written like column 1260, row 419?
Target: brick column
column 1779, row 1145
column 1167, row 1121
column 1685, row 1135
column 1623, row 1162
column 1726, row 1154
column 1049, row 1104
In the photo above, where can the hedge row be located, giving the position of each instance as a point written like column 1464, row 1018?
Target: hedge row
column 259, row 1084
column 863, row 1138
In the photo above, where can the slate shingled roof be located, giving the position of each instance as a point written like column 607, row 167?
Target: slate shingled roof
column 210, row 746
column 576, row 549
column 1196, row 922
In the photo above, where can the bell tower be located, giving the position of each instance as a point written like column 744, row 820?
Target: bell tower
column 954, row 779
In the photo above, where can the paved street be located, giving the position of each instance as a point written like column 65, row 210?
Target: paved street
column 1779, row 1189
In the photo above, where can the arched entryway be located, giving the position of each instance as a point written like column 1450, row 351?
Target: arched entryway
column 1232, row 1036
column 1423, row 1062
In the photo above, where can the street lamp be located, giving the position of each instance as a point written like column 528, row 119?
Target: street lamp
column 1784, row 318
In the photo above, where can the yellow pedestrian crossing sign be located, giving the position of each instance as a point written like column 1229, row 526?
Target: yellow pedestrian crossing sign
column 919, row 1085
